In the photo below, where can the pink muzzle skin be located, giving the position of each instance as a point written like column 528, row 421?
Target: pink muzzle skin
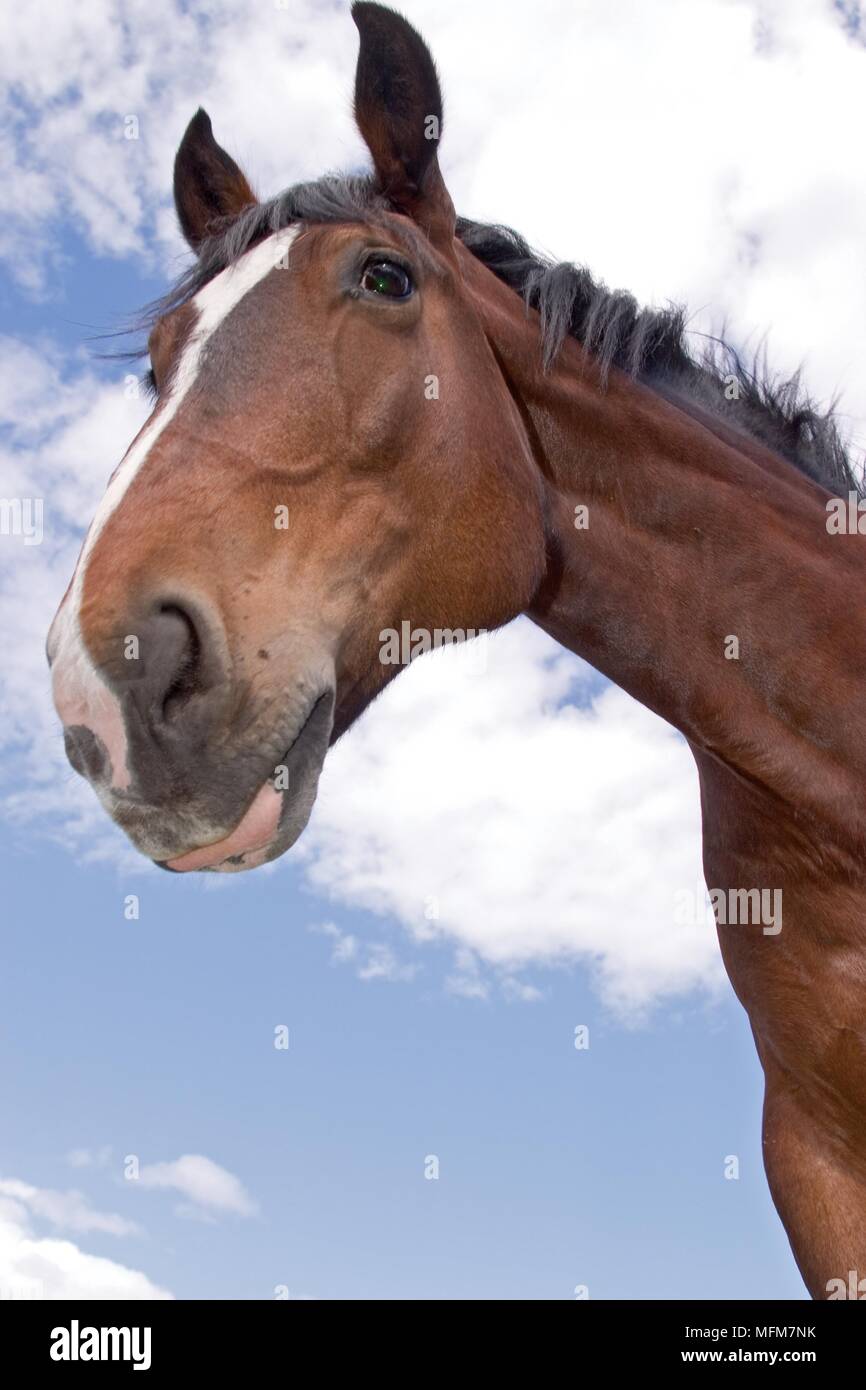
column 252, row 838
column 92, row 706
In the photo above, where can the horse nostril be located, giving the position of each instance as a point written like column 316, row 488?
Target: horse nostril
column 185, row 643
column 87, row 753
column 171, row 676
column 174, row 652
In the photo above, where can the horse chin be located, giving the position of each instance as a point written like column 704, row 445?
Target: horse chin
column 277, row 815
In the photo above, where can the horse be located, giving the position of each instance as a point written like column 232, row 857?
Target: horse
column 369, row 411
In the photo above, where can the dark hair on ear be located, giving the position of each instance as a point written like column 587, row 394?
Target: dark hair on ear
column 208, row 185
column 398, row 109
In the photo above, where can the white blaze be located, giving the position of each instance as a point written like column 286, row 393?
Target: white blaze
column 80, row 694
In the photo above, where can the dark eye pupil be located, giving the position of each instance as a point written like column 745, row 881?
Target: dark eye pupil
column 386, row 278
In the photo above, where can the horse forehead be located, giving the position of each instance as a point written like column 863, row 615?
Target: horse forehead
column 198, row 316
column 216, row 299
column 210, row 307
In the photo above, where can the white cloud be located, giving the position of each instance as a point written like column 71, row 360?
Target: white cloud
column 525, row 829
column 467, row 980
column 470, row 980
column 517, row 990
column 373, row 960
column 345, row 947
column 208, row 1186
column 75, row 73
column 700, row 150
column 382, row 964
column 467, row 986
column 68, row 1210
column 34, row 1266
column 66, row 429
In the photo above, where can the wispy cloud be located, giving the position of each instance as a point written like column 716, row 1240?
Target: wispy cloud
column 90, row 1158
column 471, row 979
column 372, row 960
column 70, row 1210
column 519, row 991
column 208, row 1187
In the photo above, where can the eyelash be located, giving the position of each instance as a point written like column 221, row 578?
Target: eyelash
column 148, row 381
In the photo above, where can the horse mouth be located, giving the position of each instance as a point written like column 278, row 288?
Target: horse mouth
column 280, row 808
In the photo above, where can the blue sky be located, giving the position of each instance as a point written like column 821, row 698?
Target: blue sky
column 498, row 845
column 558, row 1167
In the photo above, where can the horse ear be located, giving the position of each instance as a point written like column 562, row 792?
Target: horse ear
column 398, row 109
column 208, row 185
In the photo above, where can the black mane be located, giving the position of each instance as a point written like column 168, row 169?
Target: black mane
column 650, row 344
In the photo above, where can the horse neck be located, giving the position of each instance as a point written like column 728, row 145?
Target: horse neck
column 705, row 583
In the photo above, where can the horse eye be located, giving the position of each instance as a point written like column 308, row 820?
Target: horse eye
column 387, row 279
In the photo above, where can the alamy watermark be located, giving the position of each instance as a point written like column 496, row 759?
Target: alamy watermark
column 846, row 516
column 77, row 1343
column 731, row 907
column 399, row 648
column 852, row 1288
column 22, row 516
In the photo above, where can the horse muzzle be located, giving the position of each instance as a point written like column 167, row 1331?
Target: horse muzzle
column 186, row 756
